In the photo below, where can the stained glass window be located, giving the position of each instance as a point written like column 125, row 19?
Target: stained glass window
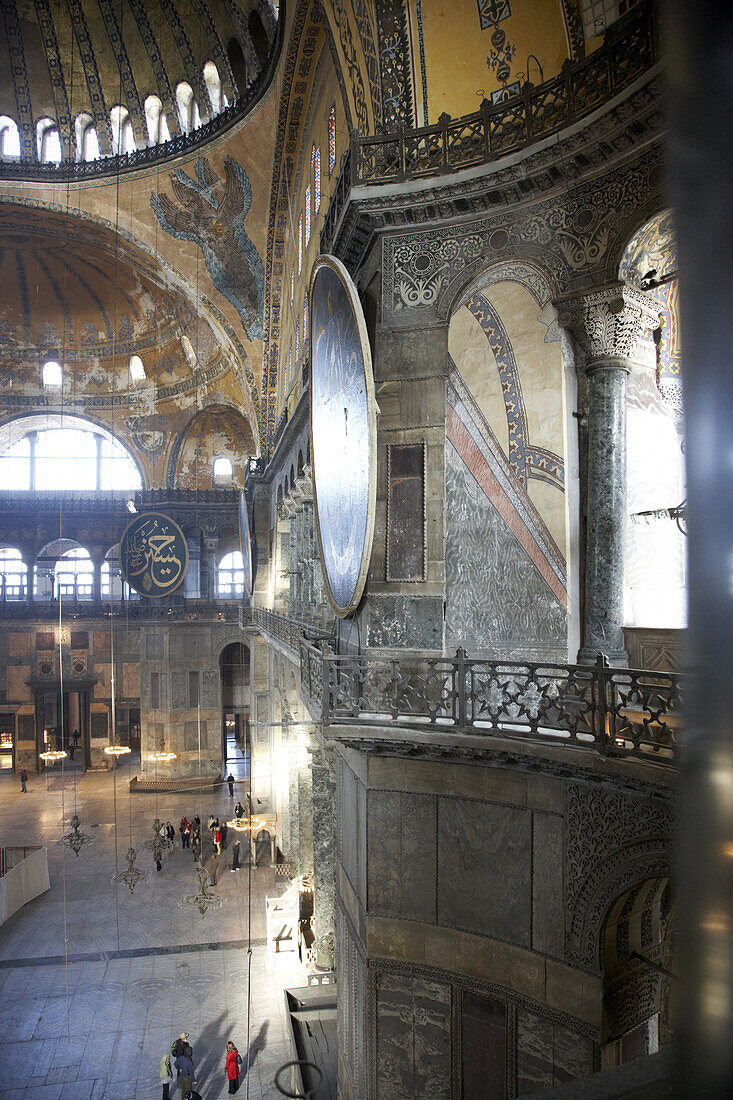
column 305, row 321
column 307, row 215
column 300, row 243
column 316, row 161
column 332, row 140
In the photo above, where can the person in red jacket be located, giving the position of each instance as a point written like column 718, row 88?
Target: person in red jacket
column 217, row 840
column 232, row 1067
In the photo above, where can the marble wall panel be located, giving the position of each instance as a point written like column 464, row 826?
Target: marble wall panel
column 548, row 914
column 405, row 622
column 17, row 685
column 549, row 1053
column 179, row 690
column 154, row 647
column 19, row 645
column 210, row 680
column 413, row 1038
column 484, row 869
column 401, row 855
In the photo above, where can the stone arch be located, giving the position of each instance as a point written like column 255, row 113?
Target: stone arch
column 216, row 431
column 633, row 938
column 166, row 275
column 509, row 502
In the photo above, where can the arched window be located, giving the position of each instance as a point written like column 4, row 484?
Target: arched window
column 87, row 143
column 223, row 472
column 48, row 141
column 189, row 352
column 300, row 244
column 154, row 117
column 307, row 215
column 213, row 84
column 316, row 165
column 13, row 575
column 230, row 581
column 74, row 575
column 290, row 364
column 305, row 322
column 258, row 35
column 297, row 341
column 64, row 458
column 9, row 137
column 331, row 139
column 113, row 587
column 52, row 373
column 137, row 368
column 123, row 139
column 237, row 64
column 188, row 111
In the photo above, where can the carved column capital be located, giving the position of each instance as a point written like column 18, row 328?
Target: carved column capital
column 609, row 322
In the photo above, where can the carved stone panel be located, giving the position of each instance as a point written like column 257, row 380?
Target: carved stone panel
column 406, row 512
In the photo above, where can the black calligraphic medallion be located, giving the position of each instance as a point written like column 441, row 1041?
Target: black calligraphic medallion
column 343, row 433
column 245, row 541
column 153, row 555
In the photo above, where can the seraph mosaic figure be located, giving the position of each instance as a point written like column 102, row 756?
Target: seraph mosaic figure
column 211, row 214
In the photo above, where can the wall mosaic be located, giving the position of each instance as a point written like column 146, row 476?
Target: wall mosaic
column 394, row 62
column 211, row 213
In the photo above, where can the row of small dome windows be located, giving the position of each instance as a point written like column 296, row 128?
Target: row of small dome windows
column 53, row 375
column 48, row 141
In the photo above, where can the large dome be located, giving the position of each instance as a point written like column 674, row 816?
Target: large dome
column 91, row 78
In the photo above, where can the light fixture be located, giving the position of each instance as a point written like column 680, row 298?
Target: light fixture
column 203, row 900
column 651, row 280
column 247, row 824
column 678, row 514
column 132, row 875
column 75, row 839
column 131, row 507
column 117, row 750
column 163, row 756
column 52, row 756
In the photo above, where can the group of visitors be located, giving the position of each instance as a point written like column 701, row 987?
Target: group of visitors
column 180, row 1058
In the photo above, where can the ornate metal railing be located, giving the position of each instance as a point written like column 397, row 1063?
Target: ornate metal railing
column 291, row 632
column 164, row 151
column 617, row 711
column 630, row 48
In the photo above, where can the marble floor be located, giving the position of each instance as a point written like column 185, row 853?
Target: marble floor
column 140, row 968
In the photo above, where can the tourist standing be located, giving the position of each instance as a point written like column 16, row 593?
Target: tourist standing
column 186, row 833
column 196, row 842
column 239, row 811
column 223, row 829
column 185, row 1067
column 230, row 781
column 23, row 780
column 217, row 839
column 166, row 1074
column 233, row 1062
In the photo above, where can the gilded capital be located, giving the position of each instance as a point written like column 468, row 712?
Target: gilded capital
column 609, row 322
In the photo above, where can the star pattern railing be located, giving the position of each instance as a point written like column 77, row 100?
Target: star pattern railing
column 617, row 711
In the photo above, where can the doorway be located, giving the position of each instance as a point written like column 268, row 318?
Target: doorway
column 7, row 742
column 62, row 722
column 234, row 670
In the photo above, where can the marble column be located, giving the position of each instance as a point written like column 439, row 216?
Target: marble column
column 607, row 325
column 210, row 548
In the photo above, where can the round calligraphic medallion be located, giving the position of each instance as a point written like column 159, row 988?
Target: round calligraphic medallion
column 245, row 541
column 153, row 555
column 343, row 433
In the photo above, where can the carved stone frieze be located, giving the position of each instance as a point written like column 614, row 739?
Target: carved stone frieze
column 608, row 323
column 612, row 841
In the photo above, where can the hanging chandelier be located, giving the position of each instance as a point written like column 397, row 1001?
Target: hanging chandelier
column 203, row 900
column 132, row 875
column 163, row 757
column 117, row 750
column 52, row 756
column 250, row 824
column 75, row 839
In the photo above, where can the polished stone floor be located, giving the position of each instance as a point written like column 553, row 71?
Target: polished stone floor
column 140, row 969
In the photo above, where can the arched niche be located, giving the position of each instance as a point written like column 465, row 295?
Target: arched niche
column 216, row 432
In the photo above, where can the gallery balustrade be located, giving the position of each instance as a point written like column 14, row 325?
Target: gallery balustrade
column 617, row 711
column 630, row 48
